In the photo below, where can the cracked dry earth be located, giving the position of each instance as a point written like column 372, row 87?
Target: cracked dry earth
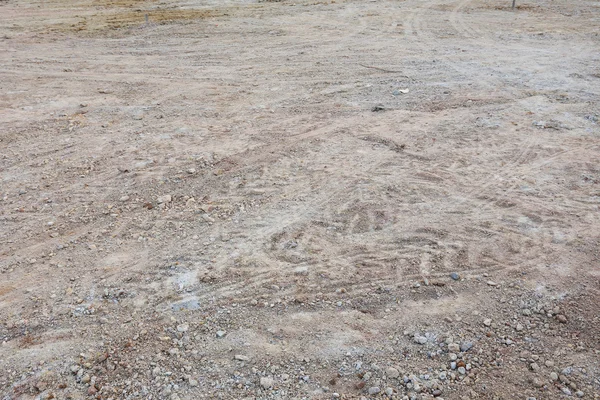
column 299, row 199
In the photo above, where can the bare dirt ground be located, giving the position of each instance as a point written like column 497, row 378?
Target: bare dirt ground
column 299, row 199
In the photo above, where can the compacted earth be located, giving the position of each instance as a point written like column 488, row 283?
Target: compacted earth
column 300, row 199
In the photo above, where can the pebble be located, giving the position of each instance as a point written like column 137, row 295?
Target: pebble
column 420, row 339
column 452, row 356
column 455, row 276
column 579, row 393
column 193, row 382
column 392, row 372
column 221, row 334
column 453, row 347
column 566, row 391
column 183, row 328
column 462, row 370
column 165, row 199
column 537, row 383
column 266, row 382
column 492, row 283
column 374, row 390
column 534, row 367
column 437, row 393
column 519, row 327
column 554, row 376
column 124, row 198
column 562, row 319
column 241, row 357
column 487, row 322
column 466, row 346
column 389, row 392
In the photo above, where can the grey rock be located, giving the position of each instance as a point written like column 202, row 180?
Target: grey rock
column 266, row 382
column 462, row 370
column 374, row 390
column 420, row 339
column 165, row 199
column 453, row 348
column 241, row 357
column 392, row 372
column 455, row 276
column 466, row 346
column 221, row 334
column 534, row 367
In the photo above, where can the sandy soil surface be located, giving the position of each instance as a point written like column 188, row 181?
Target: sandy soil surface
column 299, row 199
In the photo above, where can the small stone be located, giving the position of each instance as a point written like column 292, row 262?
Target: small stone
column 526, row 312
column 164, row 199
column 534, row 367
column 554, row 376
column 487, row 322
column 420, row 339
column 301, row 270
column 566, row 391
column 241, row 357
column 462, row 370
column 373, row 390
column 492, row 283
column 193, row 382
column 437, row 393
column 392, row 372
column 389, row 392
column 455, row 276
column 124, row 198
column 183, row 328
column 221, row 334
column 537, row 383
column 562, row 319
column 466, row 346
column 74, row 368
column 519, row 327
column 266, row 382
column 453, row 348
column 579, row 393
column 452, row 356
column 549, row 363
column 86, row 378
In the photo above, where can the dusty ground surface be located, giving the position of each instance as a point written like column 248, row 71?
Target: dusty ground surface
column 299, row 199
